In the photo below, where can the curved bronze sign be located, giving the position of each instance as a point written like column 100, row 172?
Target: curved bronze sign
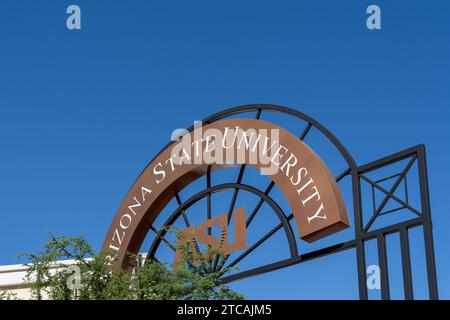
column 309, row 187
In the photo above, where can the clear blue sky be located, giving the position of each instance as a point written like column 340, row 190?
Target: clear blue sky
column 82, row 112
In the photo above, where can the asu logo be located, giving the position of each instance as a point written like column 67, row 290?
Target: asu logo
column 192, row 235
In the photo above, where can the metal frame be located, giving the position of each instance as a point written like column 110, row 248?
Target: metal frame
column 363, row 232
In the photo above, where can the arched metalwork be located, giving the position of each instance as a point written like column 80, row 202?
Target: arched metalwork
column 362, row 231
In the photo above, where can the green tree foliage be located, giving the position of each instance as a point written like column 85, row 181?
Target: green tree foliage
column 91, row 277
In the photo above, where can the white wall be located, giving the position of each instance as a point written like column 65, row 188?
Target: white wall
column 12, row 279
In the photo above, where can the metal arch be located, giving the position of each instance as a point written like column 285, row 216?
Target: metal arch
column 361, row 234
column 351, row 170
column 200, row 195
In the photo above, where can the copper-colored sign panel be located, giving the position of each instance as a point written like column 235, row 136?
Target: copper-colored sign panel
column 305, row 181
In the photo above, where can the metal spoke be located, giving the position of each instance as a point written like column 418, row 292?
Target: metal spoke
column 258, row 243
column 306, row 131
column 171, row 246
column 236, row 191
column 258, row 113
column 183, row 213
column 343, row 174
column 260, row 202
column 208, row 185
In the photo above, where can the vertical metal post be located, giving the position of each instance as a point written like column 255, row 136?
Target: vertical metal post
column 406, row 264
column 382, row 261
column 427, row 225
column 360, row 251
